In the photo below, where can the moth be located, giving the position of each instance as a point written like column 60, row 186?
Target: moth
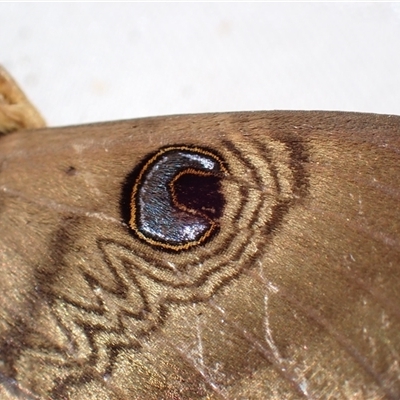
column 217, row 256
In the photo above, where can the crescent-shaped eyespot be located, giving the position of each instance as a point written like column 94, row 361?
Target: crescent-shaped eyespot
column 176, row 198
column 227, row 202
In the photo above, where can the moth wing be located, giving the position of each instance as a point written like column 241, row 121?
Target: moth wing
column 296, row 297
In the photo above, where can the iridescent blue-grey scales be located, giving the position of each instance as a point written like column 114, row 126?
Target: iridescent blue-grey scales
column 295, row 295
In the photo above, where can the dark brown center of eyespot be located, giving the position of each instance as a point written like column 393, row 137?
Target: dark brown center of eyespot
column 200, row 193
column 176, row 198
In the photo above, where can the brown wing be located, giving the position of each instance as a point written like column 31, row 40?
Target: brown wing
column 228, row 256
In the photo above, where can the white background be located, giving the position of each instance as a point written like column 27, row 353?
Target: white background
column 94, row 62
